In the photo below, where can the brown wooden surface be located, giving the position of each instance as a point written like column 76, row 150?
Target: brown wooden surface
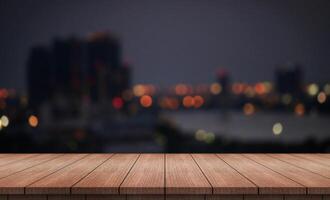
column 107, row 178
column 268, row 181
column 165, row 176
column 183, row 176
column 314, row 183
column 147, row 176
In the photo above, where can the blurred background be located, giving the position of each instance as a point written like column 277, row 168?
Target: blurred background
column 165, row 76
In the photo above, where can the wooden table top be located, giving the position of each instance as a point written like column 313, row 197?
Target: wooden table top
column 165, row 174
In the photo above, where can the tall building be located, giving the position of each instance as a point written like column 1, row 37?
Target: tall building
column 289, row 79
column 39, row 75
column 75, row 68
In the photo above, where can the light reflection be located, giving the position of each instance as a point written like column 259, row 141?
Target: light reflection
column 277, row 128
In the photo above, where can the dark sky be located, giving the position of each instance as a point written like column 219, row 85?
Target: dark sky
column 177, row 41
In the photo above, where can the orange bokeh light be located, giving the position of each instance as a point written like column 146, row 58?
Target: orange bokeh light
column 33, row 121
column 146, row 101
column 198, row 101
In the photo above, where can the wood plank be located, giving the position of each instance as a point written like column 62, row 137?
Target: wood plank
column 10, row 158
column 224, row 197
column 61, row 181
column 304, row 163
column 303, row 197
column 26, row 163
column 105, row 197
column 263, row 197
column 14, row 184
column 268, row 181
column 185, row 197
column 223, row 178
column 145, row 197
column 27, row 197
column 317, row 158
column 107, row 178
column 315, row 183
column 66, row 197
column 183, row 176
column 147, row 176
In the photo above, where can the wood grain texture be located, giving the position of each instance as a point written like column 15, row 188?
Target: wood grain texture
column 10, row 158
column 263, row 197
column 315, row 183
column 15, row 184
column 145, row 197
column 317, row 158
column 61, row 181
column 185, row 197
column 105, row 197
column 27, row 197
column 66, row 197
column 21, row 165
column 224, row 197
column 304, row 163
column 107, row 178
column 223, row 178
column 303, row 197
column 183, row 176
column 147, row 176
column 268, row 181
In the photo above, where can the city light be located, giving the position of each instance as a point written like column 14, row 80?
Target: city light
column 286, row 99
column 204, row 136
column 248, row 109
column 321, row 97
column 188, row 101
column 117, row 103
column 198, row 101
column 277, row 128
column 33, row 121
column 215, row 88
column 313, row 89
column 299, row 109
column 4, row 121
column 146, row 101
column 138, row 90
column 326, row 89
column 260, row 88
column 181, row 89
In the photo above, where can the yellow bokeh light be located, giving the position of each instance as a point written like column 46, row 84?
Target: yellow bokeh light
column 33, row 121
column 277, row 128
column 139, row 90
column 313, row 89
column 215, row 88
column 321, row 97
column 4, row 121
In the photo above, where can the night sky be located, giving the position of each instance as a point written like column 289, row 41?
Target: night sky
column 177, row 41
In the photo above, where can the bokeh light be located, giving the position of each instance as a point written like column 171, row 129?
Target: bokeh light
column 299, row 109
column 117, row 103
column 313, row 89
column 215, row 88
column 321, row 97
column 4, row 121
column 33, row 121
column 277, row 128
column 188, row 101
column 146, row 101
column 248, row 109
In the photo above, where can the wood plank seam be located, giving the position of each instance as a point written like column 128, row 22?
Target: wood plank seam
column 32, row 166
column 203, row 174
column 32, row 155
column 90, row 172
column 320, row 163
column 127, row 174
column 305, row 169
column 54, row 172
column 239, row 173
column 305, row 187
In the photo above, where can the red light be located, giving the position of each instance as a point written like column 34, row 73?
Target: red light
column 117, row 103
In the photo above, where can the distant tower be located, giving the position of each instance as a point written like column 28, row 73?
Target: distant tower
column 289, row 79
column 224, row 80
column 39, row 76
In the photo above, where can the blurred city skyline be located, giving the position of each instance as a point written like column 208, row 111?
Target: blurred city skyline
column 177, row 41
